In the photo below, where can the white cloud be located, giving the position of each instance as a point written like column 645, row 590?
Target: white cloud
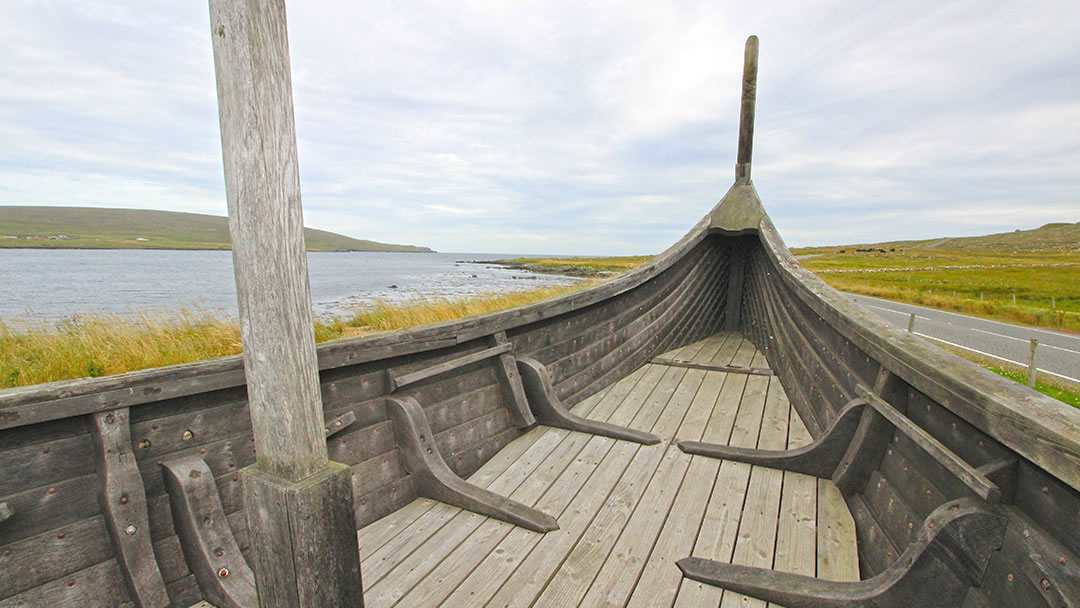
column 599, row 127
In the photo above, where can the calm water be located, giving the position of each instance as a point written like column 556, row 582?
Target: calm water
column 58, row 283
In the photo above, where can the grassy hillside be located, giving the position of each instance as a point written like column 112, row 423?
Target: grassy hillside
column 1025, row 276
column 96, row 228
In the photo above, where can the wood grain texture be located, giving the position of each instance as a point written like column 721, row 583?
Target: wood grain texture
column 123, row 503
column 207, row 541
column 262, row 186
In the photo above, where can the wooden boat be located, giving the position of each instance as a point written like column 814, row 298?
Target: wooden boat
column 714, row 423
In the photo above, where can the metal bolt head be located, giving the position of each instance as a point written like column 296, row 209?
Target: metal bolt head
column 1045, row 584
column 130, row 530
column 222, row 573
column 187, row 435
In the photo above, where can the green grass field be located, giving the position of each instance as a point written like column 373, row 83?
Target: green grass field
column 95, row 228
column 974, row 275
column 104, row 345
column 589, row 266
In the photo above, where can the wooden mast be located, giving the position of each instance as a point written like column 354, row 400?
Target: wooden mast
column 299, row 505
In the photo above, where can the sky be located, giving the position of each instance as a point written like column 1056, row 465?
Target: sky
column 568, row 127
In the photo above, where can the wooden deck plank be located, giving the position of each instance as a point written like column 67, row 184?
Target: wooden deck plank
column 514, row 545
column 392, row 552
column 580, row 567
column 430, row 580
column 618, row 576
column 541, row 564
column 837, row 559
column 660, row 578
column 756, row 542
column 626, row 511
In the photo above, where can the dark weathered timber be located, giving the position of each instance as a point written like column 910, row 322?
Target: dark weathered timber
column 818, row 458
column 971, row 476
column 399, row 380
column 339, row 424
column 123, row 503
column 311, row 522
column 949, row 557
column 868, row 445
column 746, row 115
column 298, row 504
column 433, row 478
column 513, row 391
column 730, row 369
column 550, row 410
column 208, row 544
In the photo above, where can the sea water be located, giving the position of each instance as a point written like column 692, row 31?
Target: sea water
column 58, row 283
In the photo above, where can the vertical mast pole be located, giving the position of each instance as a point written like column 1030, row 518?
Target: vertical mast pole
column 298, row 504
column 746, row 115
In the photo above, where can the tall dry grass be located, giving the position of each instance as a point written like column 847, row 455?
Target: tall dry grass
column 102, row 345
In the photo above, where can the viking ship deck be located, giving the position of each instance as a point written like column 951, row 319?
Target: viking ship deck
column 627, row 512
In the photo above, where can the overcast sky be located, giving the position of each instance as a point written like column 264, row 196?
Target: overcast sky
column 568, row 127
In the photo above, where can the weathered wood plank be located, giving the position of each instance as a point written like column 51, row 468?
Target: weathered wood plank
column 545, row 555
column 796, row 535
column 123, row 502
column 756, row 541
column 51, row 555
column 837, row 557
column 968, row 474
column 399, row 379
column 99, row 585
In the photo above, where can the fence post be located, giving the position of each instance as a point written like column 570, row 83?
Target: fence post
column 1031, row 363
column 299, row 505
column 911, row 323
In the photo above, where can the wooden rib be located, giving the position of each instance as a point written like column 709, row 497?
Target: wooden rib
column 513, row 392
column 971, row 476
column 122, row 497
column 398, row 379
column 731, row 369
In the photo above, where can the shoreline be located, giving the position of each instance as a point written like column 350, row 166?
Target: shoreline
column 570, row 270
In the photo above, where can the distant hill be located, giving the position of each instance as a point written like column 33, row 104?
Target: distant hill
column 1058, row 236
column 98, row 228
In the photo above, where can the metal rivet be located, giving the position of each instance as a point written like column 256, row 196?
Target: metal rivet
column 187, row 435
column 44, row 450
column 52, row 490
column 130, row 530
column 1045, row 584
column 145, row 443
column 123, row 499
column 219, row 552
column 363, row 501
column 202, row 451
column 235, row 477
column 60, row 535
column 1010, row 577
column 70, row 582
column 931, row 524
column 1046, row 490
column 223, row 572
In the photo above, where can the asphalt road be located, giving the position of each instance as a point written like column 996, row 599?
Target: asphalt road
column 1058, row 354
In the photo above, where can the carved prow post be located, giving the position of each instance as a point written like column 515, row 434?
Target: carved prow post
column 746, row 115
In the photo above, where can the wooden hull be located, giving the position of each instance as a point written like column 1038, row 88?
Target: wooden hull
column 90, row 520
